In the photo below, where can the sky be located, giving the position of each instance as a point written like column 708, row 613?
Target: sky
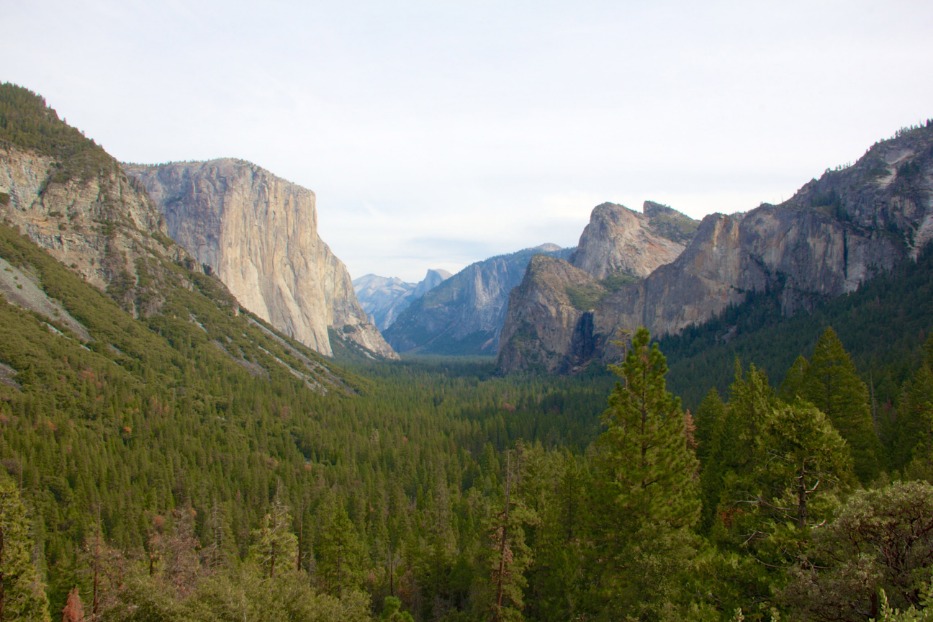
column 437, row 133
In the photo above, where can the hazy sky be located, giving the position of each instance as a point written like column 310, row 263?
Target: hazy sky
column 439, row 133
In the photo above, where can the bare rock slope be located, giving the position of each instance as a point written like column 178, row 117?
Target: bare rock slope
column 551, row 318
column 94, row 221
column 618, row 239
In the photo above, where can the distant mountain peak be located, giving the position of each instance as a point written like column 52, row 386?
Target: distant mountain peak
column 385, row 298
column 464, row 314
column 620, row 240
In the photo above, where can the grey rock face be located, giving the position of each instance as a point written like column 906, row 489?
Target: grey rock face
column 100, row 226
column 620, row 240
column 465, row 313
column 258, row 233
column 544, row 318
column 384, row 298
column 834, row 234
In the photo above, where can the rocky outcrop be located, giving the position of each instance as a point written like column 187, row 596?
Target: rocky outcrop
column 553, row 322
column 834, row 234
column 541, row 334
column 258, row 234
column 384, row 298
column 98, row 224
column 618, row 239
column 465, row 313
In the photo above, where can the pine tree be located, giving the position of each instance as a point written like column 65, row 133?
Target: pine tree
column 710, row 419
column 799, row 454
column 105, row 569
column 645, row 492
column 915, row 419
column 339, row 550
column 181, row 563
column 22, row 592
column 508, row 555
column 392, row 611
column 553, row 487
column 645, row 466
column 275, row 546
column 795, row 380
column 781, row 468
column 832, row 385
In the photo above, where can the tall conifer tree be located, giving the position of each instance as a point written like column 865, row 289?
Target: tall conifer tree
column 645, row 492
column 833, row 385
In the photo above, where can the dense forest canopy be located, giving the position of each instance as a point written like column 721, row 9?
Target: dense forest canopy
column 159, row 479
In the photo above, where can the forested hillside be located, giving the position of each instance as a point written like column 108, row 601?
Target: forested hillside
column 883, row 324
column 166, row 479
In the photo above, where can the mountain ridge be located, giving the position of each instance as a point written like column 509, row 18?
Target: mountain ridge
column 835, row 233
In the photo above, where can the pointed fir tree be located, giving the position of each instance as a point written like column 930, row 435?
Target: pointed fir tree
column 645, row 494
column 508, row 555
column 711, row 415
column 275, row 545
column 554, row 488
column 795, row 379
column 646, row 469
column 339, row 551
column 833, row 385
column 915, row 424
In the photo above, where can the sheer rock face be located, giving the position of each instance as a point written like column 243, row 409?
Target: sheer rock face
column 618, row 239
column 542, row 320
column 258, row 233
column 834, row 234
column 556, row 321
column 100, row 226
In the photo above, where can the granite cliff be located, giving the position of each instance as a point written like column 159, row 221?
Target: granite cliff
column 72, row 199
column 464, row 314
column 835, row 233
column 384, row 298
column 552, row 323
column 258, row 234
column 619, row 240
